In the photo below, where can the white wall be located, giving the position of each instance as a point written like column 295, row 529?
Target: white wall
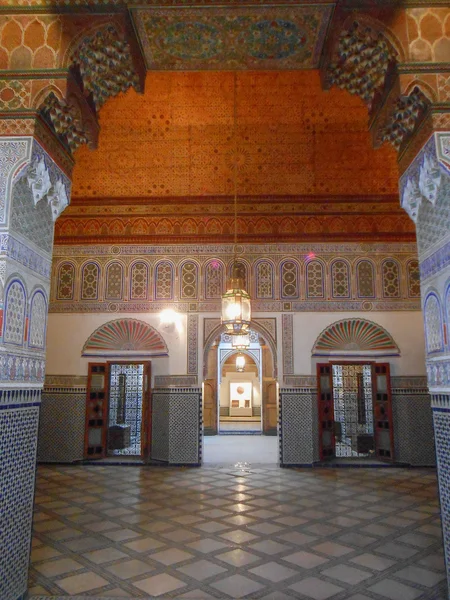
column 406, row 327
column 224, row 395
column 67, row 334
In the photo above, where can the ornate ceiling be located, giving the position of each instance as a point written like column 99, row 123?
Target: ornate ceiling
column 164, row 166
column 250, row 37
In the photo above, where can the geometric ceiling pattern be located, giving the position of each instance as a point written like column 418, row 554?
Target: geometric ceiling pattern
column 178, row 140
column 248, row 37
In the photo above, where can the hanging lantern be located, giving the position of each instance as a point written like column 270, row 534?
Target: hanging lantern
column 240, row 342
column 236, row 309
column 240, row 363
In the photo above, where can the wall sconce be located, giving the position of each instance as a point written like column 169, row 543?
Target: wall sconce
column 170, row 320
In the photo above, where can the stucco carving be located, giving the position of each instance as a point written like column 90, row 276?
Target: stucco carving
column 362, row 62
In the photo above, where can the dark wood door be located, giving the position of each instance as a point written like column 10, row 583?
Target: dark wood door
column 270, row 407
column 382, row 405
column 96, row 410
column 325, row 411
column 210, row 406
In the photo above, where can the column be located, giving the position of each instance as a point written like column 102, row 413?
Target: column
column 34, row 188
column 425, row 194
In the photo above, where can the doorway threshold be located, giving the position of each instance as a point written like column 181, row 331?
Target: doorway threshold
column 356, row 462
column 116, row 460
column 240, row 432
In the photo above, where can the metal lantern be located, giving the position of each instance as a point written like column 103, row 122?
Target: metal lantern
column 240, row 363
column 236, row 309
column 240, row 342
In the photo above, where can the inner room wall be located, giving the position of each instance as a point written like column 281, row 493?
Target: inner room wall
column 228, row 378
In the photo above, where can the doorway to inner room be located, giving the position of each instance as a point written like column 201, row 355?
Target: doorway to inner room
column 355, row 412
column 240, row 402
column 118, row 414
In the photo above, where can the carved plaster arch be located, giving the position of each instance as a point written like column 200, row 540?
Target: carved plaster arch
column 125, row 337
column 219, row 329
column 249, row 353
column 355, row 337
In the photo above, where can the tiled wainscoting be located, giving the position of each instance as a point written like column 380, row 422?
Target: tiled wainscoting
column 61, row 426
column 441, row 419
column 176, row 425
column 19, row 418
column 412, row 423
column 298, row 426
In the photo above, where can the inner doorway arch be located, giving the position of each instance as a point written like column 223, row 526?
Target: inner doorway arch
column 268, row 371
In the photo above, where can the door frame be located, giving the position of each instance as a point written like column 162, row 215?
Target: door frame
column 146, row 423
column 373, row 364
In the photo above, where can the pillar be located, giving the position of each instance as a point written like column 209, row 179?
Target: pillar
column 34, row 188
column 425, row 194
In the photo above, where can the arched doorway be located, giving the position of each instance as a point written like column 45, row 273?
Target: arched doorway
column 221, row 381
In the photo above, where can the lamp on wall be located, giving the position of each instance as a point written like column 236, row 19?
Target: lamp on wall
column 240, row 363
column 236, row 308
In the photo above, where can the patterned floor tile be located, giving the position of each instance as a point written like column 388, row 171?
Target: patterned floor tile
column 237, row 586
column 269, row 534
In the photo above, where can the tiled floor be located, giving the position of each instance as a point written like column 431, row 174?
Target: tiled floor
column 231, row 449
column 237, row 532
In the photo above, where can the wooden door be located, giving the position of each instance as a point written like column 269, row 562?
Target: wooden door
column 326, row 411
column 382, row 407
column 96, row 410
column 146, row 436
column 270, row 406
column 210, row 406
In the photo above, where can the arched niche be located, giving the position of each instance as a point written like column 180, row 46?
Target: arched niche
column 127, row 338
column 355, row 337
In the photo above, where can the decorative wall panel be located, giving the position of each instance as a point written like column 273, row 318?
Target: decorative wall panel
column 366, row 279
column 61, row 424
column 299, row 440
column 66, row 282
column 201, row 279
column 253, row 38
column 38, row 321
column 125, row 336
column 139, row 281
column 287, row 332
column 15, row 307
column 441, row 421
column 160, row 425
column 412, row 421
column 289, row 280
column 355, row 336
column 176, row 425
column 18, row 439
column 192, row 339
column 184, row 426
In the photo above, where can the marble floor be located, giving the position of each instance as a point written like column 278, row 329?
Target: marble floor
column 231, row 449
column 236, row 531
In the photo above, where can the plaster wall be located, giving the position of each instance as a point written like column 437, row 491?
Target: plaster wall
column 67, row 334
column 224, row 397
column 406, row 327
